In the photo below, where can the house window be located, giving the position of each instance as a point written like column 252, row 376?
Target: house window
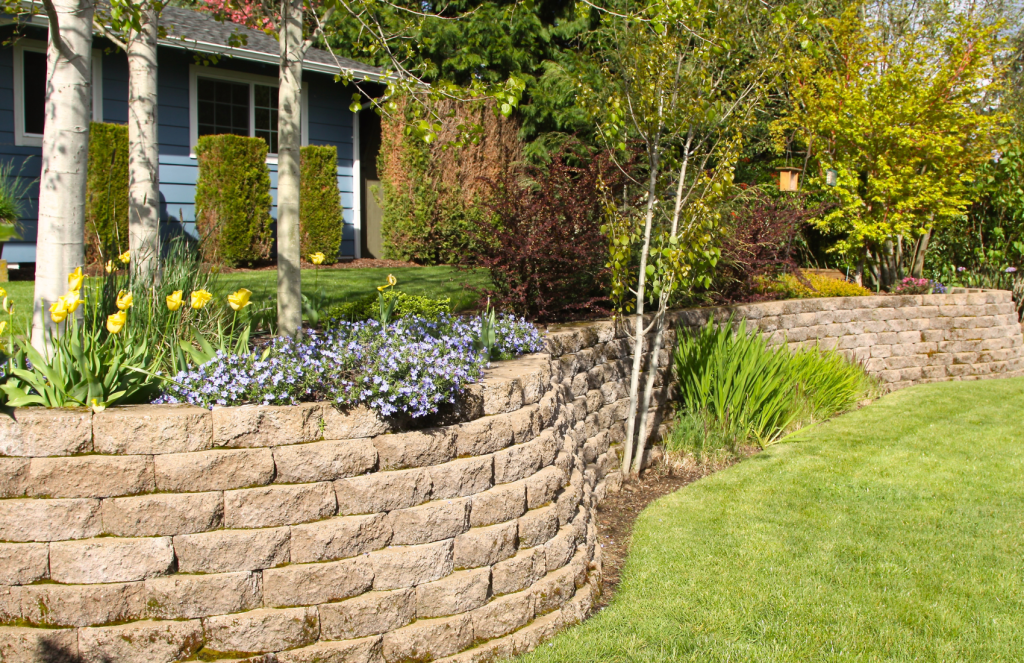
column 237, row 103
column 30, row 91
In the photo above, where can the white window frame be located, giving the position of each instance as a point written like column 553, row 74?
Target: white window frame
column 34, row 45
column 196, row 71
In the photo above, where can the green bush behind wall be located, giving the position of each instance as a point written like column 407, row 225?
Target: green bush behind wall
column 233, row 200
column 106, row 196
column 320, row 203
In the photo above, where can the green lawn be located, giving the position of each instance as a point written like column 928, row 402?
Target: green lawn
column 894, row 533
column 339, row 285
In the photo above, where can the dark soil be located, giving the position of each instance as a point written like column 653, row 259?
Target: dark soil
column 617, row 513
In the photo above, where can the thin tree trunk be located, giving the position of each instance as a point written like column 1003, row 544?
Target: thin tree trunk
column 61, row 220
column 919, row 253
column 143, row 147
column 289, row 275
column 639, row 332
column 653, row 362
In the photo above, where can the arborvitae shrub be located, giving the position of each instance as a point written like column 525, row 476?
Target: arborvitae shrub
column 233, row 200
column 320, row 206
column 106, row 197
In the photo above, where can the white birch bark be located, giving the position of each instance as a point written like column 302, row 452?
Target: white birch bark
column 143, row 147
column 61, row 225
column 289, row 137
column 654, row 147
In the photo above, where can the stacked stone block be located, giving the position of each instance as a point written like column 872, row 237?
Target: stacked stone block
column 302, row 534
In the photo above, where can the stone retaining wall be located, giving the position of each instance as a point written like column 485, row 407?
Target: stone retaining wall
column 302, row 534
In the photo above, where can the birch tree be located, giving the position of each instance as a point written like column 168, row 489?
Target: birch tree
column 685, row 79
column 61, row 220
column 133, row 27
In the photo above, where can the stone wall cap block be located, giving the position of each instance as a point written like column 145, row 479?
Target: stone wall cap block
column 110, row 559
column 141, row 642
column 38, row 431
column 267, row 425
column 152, row 429
column 49, row 520
column 90, row 476
column 263, row 630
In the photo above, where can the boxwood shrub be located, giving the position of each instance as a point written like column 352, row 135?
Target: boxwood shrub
column 233, row 200
column 320, row 206
column 106, row 196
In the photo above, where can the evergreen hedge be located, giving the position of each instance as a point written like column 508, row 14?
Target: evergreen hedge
column 233, row 200
column 320, row 204
column 106, row 197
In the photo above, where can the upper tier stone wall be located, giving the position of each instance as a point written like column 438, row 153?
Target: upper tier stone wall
column 301, row 534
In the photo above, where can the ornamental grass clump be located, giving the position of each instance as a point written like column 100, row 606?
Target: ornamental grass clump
column 746, row 390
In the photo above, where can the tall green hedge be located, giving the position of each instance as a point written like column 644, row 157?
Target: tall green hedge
column 233, row 200
column 106, row 197
column 320, row 206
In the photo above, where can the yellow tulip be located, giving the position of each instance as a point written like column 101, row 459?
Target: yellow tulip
column 3, row 293
column 391, row 282
column 72, row 301
column 58, row 311
column 75, row 280
column 317, row 258
column 200, row 298
column 124, row 300
column 174, row 301
column 3, row 326
column 240, row 299
column 110, row 266
column 9, row 308
column 125, row 257
column 115, row 321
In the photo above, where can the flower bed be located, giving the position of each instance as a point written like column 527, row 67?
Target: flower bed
column 411, row 366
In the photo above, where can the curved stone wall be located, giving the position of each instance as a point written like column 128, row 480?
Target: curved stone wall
column 302, row 534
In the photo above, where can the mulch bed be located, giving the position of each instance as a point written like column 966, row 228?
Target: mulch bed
column 617, row 513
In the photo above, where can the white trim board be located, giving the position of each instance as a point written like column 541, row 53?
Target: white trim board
column 37, row 46
column 195, row 71
column 357, row 189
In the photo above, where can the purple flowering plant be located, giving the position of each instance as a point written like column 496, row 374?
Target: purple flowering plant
column 412, row 366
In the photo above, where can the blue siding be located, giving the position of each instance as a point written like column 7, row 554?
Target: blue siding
column 330, row 123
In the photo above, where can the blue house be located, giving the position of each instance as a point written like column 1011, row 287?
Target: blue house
column 205, row 86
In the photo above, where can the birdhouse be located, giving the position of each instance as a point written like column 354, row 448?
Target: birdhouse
column 789, row 179
column 831, row 177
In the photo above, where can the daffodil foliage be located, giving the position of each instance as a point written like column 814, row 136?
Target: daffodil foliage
column 904, row 119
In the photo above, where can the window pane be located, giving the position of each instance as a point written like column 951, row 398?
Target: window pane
column 222, row 106
column 266, row 115
column 34, row 88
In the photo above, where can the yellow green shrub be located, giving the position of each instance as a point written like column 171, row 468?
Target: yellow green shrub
column 789, row 286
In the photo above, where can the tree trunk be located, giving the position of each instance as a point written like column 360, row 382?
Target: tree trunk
column 289, row 136
column 920, row 250
column 652, row 374
column 61, row 220
column 143, row 148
